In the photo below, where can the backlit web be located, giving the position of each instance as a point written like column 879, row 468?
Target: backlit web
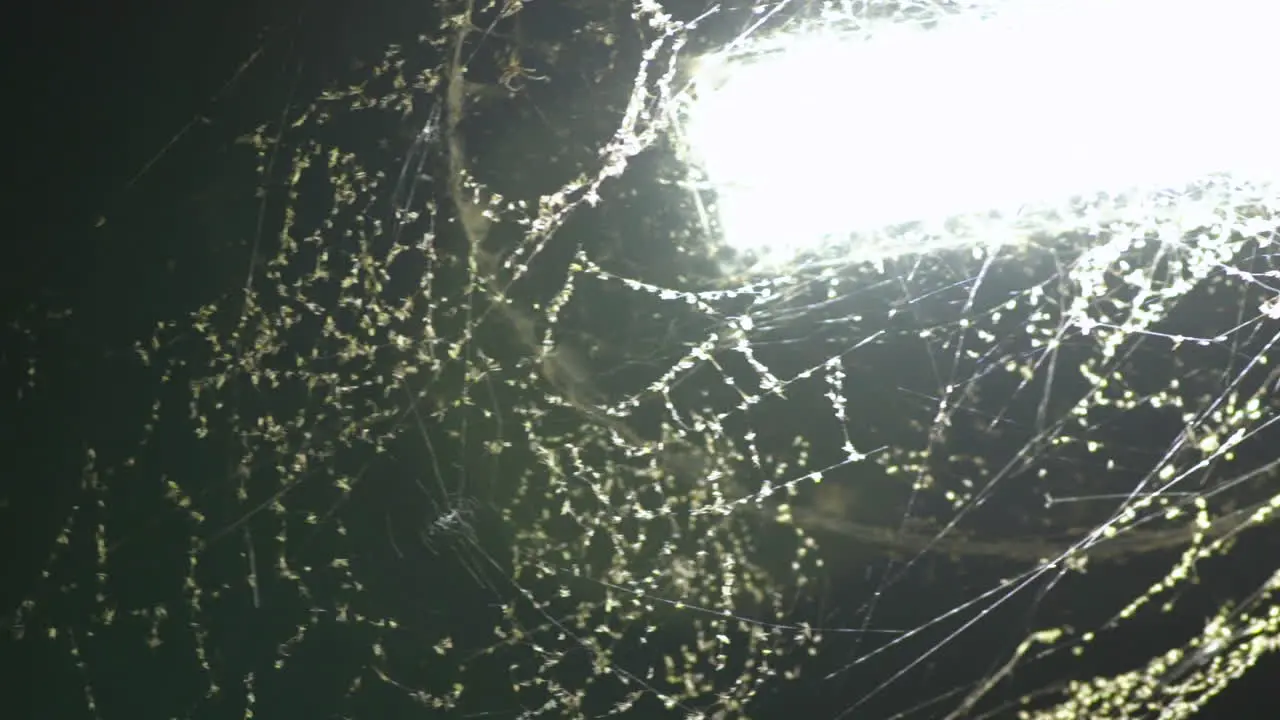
column 499, row 423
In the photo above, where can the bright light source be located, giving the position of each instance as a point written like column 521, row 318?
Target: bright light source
column 1045, row 100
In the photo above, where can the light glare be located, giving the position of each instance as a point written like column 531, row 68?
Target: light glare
column 1043, row 102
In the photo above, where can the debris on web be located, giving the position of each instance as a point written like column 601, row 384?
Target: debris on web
column 499, row 414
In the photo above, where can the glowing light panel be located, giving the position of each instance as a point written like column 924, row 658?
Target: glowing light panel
column 1043, row 101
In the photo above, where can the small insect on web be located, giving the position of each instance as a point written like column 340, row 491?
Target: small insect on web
column 454, row 521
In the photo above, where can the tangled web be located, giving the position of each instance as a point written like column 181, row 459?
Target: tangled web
column 497, row 424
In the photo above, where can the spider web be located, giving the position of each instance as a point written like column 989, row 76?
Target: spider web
column 495, row 426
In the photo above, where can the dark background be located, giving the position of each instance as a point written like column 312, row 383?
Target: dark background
column 98, row 91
